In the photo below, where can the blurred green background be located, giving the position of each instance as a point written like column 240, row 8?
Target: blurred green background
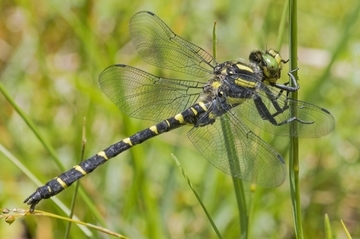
column 51, row 53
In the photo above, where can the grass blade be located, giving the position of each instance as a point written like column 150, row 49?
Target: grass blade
column 33, row 178
column 231, row 153
column 197, row 196
column 294, row 141
column 346, row 230
column 48, row 147
column 328, row 232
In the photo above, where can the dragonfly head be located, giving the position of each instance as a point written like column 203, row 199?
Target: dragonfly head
column 270, row 62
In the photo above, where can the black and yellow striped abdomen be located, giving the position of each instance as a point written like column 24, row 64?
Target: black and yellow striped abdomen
column 188, row 117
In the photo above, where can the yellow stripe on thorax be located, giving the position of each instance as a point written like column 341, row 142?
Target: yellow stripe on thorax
column 245, row 83
column 234, row 100
column 245, row 68
column 215, row 84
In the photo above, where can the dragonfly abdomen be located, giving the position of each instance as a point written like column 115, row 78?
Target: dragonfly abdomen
column 56, row 185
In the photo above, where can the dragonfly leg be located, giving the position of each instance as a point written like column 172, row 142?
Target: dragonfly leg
column 285, row 87
column 266, row 115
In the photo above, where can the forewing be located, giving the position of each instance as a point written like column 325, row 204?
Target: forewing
column 158, row 45
column 231, row 147
column 145, row 96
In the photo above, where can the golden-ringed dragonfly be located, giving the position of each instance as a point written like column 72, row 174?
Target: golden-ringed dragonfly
column 216, row 108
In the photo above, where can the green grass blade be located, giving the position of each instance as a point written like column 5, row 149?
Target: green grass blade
column 328, row 232
column 32, row 127
column 11, row 215
column 346, row 230
column 214, row 41
column 282, row 26
column 347, row 27
column 231, row 153
column 294, row 141
column 33, row 178
column 77, row 183
column 56, row 159
column 197, row 197
column 238, row 183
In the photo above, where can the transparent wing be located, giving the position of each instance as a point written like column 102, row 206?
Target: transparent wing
column 145, row 96
column 158, row 45
column 312, row 120
column 231, row 147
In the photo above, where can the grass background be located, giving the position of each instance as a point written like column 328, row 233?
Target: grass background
column 51, row 53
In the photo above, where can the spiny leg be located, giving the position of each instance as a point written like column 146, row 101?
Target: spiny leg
column 266, row 115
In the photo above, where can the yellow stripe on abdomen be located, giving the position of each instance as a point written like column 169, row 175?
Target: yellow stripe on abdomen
column 127, row 141
column 180, row 118
column 102, row 154
column 194, row 110
column 61, row 182
column 154, row 129
column 202, row 105
column 80, row 169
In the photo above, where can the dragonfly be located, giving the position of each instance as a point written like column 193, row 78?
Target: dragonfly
column 216, row 107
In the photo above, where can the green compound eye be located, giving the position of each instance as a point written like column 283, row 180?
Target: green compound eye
column 271, row 65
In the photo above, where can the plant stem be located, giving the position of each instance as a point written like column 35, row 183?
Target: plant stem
column 294, row 142
column 231, row 154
